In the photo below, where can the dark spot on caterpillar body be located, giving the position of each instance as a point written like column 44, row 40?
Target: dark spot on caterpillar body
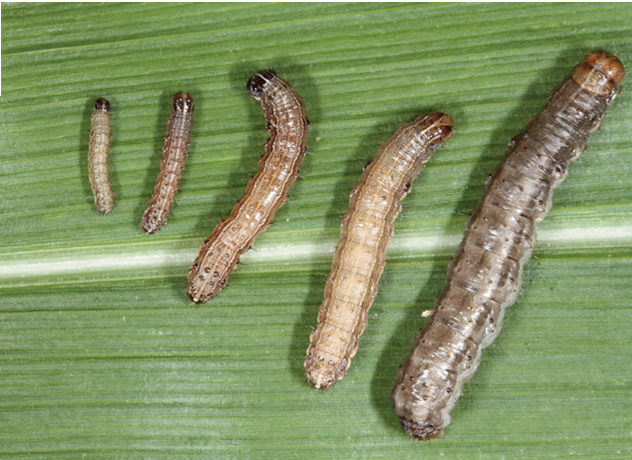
column 174, row 153
column 100, row 135
column 360, row 256
column 485, row 275
column 266, row 192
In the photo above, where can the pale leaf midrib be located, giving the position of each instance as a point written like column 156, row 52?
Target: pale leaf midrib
column 33, row 267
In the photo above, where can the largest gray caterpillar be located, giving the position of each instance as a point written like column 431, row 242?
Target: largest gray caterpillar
column 485, row 275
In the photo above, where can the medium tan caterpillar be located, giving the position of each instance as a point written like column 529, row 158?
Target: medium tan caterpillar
column 173, row 155
column 360, row 256
column 100, row 135
column 266, row 192
column 485, row 275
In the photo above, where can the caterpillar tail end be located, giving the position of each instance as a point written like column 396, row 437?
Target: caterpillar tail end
column 323, row 373
column 202, row 287
column 421, row 432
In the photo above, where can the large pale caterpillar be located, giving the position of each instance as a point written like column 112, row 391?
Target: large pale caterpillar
column 266, row 192
column 360, row 256
column 100, row 134
column 485, row 275
column 174, row 153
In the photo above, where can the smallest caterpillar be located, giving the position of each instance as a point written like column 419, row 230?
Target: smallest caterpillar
column 173, row 155
column 100, row 134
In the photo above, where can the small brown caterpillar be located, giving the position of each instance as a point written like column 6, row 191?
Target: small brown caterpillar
column 485, row 275
column 266, row 192
column 173, row 155
column 360, row 256
column 100, row 134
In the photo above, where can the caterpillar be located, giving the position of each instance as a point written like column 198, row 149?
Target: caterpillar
column 267, row 190
column 174, row 153
column 360, row 256
column 485, row 275
column 100, row 135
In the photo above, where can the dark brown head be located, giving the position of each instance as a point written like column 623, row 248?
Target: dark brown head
column 102, row 104
column 600, row 73
column 436, row 127
column 182, row 102
column 258, row 81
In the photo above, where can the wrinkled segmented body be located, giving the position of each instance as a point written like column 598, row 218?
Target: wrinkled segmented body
column 266, row 192
column 174, row 153
column 360, row 256
column 100, row 135
column 485, row 275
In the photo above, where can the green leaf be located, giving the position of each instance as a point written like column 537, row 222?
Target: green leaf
column 102, row 356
